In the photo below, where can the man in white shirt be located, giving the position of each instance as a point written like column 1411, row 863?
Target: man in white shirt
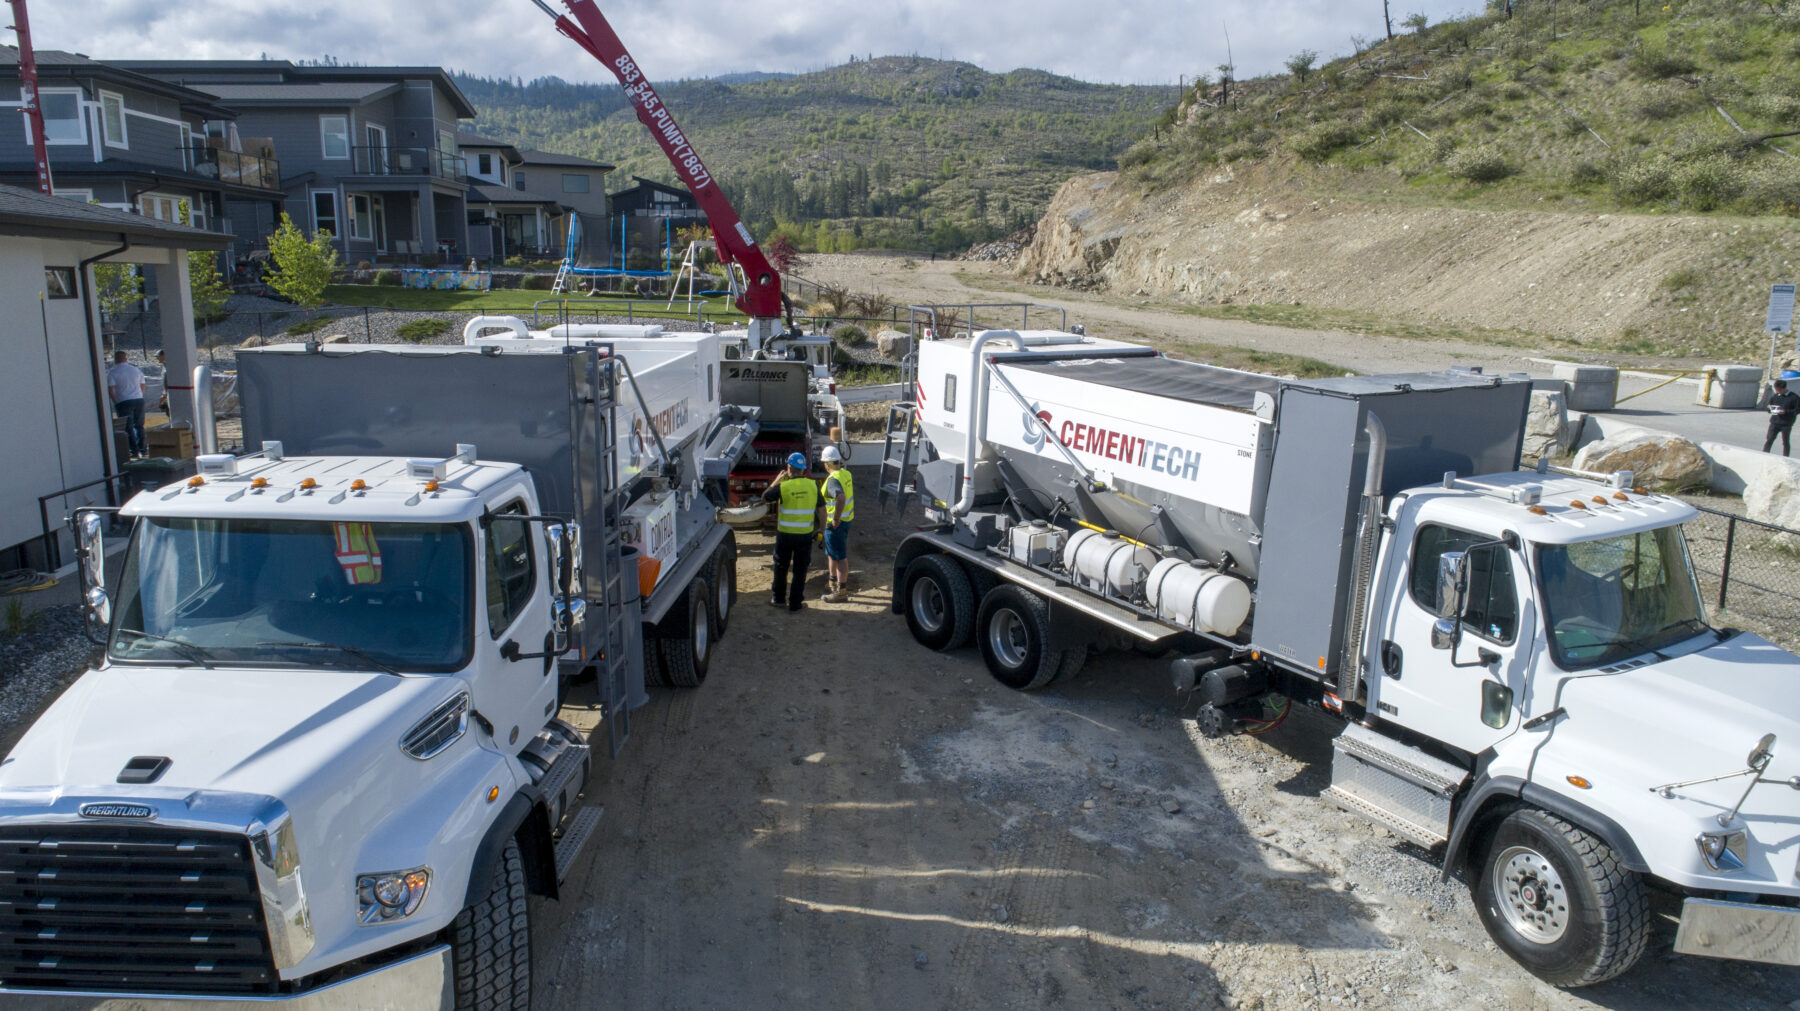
column 125, row 383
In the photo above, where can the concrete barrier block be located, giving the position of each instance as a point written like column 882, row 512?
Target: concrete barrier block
column 1734, row 388
column 1591, row 387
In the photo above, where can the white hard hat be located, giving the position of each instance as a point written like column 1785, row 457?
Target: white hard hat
column 831, row 455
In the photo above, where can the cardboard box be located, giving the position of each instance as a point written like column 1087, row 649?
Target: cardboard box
column 176, row 442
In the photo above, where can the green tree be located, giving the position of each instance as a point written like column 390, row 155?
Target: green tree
column 206, row 289
column 117, row 288
column 1301, row 63
column 1416, row 22
column 302, row 266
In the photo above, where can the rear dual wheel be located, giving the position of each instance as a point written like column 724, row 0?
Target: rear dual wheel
column 684, row 638
column 1013, row 632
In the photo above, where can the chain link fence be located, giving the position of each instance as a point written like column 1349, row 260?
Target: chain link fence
column 1749, row 573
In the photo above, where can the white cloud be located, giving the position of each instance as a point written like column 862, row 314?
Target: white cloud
column 1126, row 41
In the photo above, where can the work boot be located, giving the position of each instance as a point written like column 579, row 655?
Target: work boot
column 777, row 602
column 836, row 596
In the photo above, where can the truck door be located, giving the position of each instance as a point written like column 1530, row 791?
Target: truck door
column 515, row 607
column 1470, row 707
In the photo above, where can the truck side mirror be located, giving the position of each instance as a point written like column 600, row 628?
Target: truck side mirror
column 1452, row 577
column 90, row 541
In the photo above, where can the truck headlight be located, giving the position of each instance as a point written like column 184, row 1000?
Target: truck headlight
column 1724, row 851
column 390, row 896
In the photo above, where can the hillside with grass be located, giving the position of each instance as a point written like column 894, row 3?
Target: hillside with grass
column 897, row 152
column 1609, row 174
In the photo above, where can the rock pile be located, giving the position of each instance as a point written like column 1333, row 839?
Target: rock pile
column 1006, row 249
column 1659, row 460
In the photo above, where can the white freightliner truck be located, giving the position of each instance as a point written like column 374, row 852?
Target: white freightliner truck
column 322, row 762
column 1522, row 661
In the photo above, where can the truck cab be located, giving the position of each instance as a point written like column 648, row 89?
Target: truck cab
column 324, row 711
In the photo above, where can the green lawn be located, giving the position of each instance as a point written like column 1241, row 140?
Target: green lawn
column 509, row 301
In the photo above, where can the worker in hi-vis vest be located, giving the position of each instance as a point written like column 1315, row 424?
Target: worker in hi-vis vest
column 840, row 509
column 796, row 497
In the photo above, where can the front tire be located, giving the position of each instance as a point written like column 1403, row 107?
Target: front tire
column 491, row 942
column 721, row 575
column 1013, row 631
column 685, row 638
column 1556, row 899
column 940, row 606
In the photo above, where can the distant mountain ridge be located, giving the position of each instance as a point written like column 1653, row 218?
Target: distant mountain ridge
column 897, row 151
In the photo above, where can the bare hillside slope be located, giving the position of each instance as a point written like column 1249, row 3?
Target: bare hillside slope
column 1270, row 234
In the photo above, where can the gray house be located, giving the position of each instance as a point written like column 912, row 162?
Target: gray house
column 367, row 153
column 520, row 201
column 133, row 142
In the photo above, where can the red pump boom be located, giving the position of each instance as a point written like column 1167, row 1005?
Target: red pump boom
column 761, row 298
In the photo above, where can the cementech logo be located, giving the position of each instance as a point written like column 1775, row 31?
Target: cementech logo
column 1037, row 427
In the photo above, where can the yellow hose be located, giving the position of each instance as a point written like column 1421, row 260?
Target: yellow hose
column 1103, row 530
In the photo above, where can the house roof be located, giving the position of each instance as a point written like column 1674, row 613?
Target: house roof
column 533, row 156
column 55, row 65
column 330, row 93
column 467, row 139
column 282, row 73
column 28, row 212
column 642, row 183
column 487, row 193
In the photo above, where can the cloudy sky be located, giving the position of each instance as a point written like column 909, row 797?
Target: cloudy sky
column 1119, row 41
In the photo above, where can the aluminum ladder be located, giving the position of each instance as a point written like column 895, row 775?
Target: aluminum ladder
column 899, row 457
column 561, row 284
column 613, row 666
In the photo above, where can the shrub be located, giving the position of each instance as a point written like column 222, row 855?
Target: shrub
column 1775, row 188
column 418, row 331
column 1386, row 112
column 364, row 265
column 1663, row 102
column 1686, row 277
column 1658, row 63
column 308, row 326
column 1644, row 181
column 1478, row 165
column 1318, row 142
column 870, row 306
column 515, row 261
column 850, row 335
column 537, row 282
column 1243, row 150
column 1587, row 173
column 544, row 264
column 1709, row 182
column 1780, row 109
column 1137, row 154
column 391, row 278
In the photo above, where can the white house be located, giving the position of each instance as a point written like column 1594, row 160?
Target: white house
column 58, row 418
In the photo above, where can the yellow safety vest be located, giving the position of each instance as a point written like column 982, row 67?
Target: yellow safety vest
column 357, row 553
column 799, row 501
column 842, row 477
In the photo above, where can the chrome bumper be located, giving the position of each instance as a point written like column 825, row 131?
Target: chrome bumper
column 421, row 982
column 1740, row 930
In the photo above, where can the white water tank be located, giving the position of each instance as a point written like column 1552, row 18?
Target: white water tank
column 1197, row 596
column 1035, row 543
column 1107, row 563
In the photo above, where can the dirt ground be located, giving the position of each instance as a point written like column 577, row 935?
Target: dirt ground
column 840, row 818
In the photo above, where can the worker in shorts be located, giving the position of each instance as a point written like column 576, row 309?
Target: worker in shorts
column 1784, row 407
column 840, row 509
column 796, row 498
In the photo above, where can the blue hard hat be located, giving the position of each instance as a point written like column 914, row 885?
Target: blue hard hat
column 1790, row 374
column 797, row 461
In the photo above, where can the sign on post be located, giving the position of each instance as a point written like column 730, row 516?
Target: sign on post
column 1781, row 308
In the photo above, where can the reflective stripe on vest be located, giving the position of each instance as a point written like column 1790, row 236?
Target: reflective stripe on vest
column 799, row 501
column 358, row 553
column 842, row 477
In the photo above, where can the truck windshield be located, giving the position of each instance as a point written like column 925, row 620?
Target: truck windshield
column 225, row 591
column 1612, row 599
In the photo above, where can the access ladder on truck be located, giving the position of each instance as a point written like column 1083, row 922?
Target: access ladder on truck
column 899, row 456
column 612, row 668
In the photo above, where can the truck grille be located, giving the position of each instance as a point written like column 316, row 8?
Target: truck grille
column 131, row 908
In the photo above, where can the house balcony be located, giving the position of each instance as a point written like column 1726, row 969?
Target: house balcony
column 409, row 162
column 236, row 169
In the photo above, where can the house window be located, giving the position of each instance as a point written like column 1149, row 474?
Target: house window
column 574, row 183
column 63, row 122
column 518, row 180
column 511, row 578
column 112, row 119
column 160, row 207
column 360, row 226
column 334, row 132
column 187, row 147
column 59, row 282
column 325, row 213
column 484, row 164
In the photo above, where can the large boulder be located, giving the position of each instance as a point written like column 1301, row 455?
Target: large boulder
column 1548, row 431
column 1659, row 460
column 1772, row 495
column 893, row 344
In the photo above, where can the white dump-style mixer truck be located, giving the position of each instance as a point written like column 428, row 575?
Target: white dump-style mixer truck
column 1526, row 676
